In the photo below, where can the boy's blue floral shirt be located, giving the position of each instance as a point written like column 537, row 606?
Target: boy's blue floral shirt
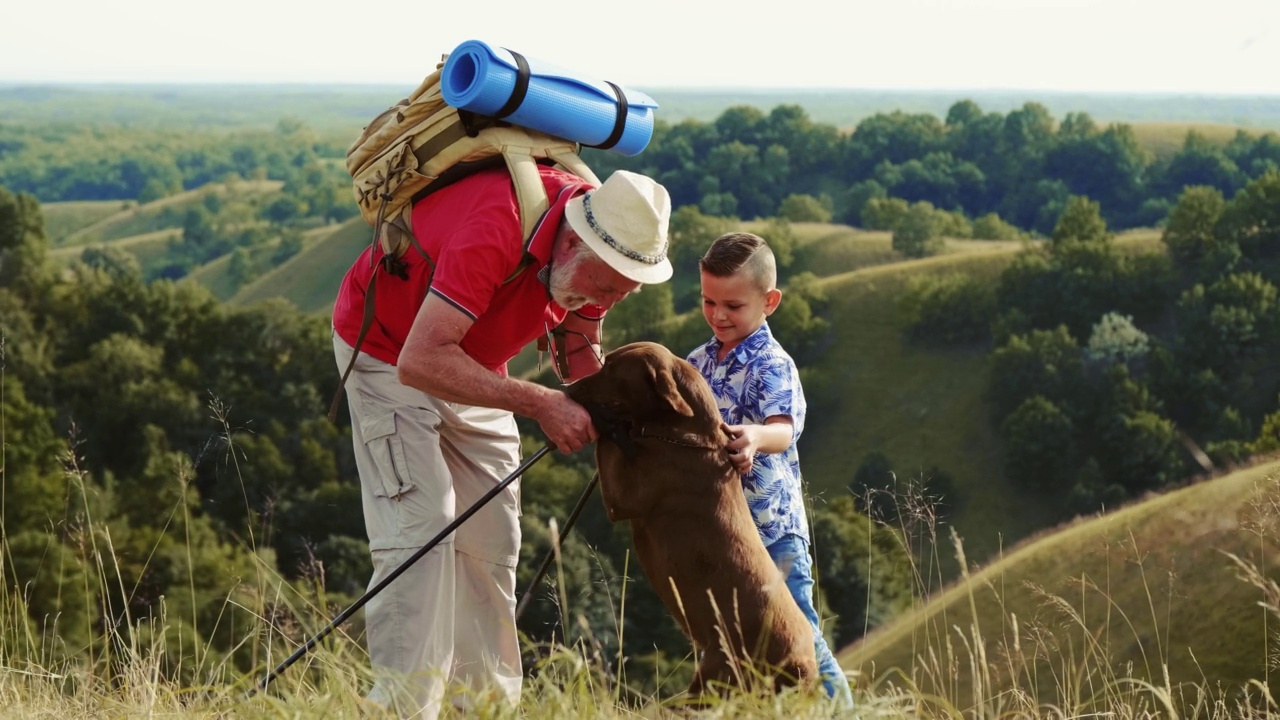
column 758, row 379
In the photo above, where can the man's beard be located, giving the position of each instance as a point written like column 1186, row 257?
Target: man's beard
column 560, row 283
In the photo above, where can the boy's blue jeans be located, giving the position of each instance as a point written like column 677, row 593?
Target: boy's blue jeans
column 791, row 555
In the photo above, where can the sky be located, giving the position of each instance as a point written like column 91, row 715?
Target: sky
column 1111, row 46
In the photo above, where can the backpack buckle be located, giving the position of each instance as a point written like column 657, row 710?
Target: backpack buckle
column 395, row 266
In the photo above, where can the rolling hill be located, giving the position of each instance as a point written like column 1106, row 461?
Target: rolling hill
column 1143, row 592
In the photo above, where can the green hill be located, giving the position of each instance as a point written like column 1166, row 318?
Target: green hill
column 163, row 213
column 149, row 247
column 1141, row 591
column 64, row 218
column 310, row 279
column 873, row 389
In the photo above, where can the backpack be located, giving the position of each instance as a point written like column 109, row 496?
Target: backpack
column 421, row 145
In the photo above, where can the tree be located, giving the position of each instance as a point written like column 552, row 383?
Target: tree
column 874, row 488
column 919, row 232
column 1115, row 339
column 1039, row 445
column 1192, row 235
column 805, row 208
column 853, row 200
column 864, row 569
column 1109, row 166
column 893, row 137
column 797, row 328
column 1142, row 450
column 643, row 316
column 57, row 590
column 1080, row 220
column 991, row 227
column 951, row 308
column 1252, row 218
column 883, row 213
column 1043, row 362
column 23, row 246
column 1199, row 162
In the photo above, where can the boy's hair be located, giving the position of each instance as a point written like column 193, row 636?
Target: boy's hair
column 737, row 252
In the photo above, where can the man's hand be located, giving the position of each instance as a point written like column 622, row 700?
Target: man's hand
column 566, row 423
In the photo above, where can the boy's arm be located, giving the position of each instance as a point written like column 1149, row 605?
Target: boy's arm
column 777, row 398
column 774, row 436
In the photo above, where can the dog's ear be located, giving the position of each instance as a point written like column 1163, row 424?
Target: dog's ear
column 662, row 377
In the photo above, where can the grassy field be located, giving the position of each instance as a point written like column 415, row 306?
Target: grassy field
column 311, row 278
column 64, row 218
column 148, row 247
column 1162, row 609
column 1164, row 139
column 1177, row 591
column 162, row 214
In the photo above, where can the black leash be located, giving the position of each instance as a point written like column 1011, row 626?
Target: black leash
column 345, row 614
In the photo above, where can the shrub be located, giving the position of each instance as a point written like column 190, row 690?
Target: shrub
column 883, row 213
column 805, row 208
column 919, row 233
column 991, row 227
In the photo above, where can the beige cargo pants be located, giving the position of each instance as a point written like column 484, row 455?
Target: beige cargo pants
column 448, row 623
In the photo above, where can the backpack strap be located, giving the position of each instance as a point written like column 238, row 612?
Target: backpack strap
column 531, row 194
column 400, row 227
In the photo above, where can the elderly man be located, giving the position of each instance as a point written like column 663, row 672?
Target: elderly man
column 432, row 405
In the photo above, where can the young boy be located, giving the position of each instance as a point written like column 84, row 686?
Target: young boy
column 757, row 388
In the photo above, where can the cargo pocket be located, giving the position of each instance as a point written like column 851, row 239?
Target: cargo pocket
column 386, row 448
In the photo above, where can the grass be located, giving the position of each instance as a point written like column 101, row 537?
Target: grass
column 1174, row 596
column 1126, row 615
column 311, row 278
column 160, row 214
column 1164, row 139
column 63, row 218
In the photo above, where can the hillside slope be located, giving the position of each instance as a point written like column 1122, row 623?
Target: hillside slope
column 1142, row 589
column 310, row 279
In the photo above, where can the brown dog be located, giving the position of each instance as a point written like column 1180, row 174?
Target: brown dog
column 663, row 467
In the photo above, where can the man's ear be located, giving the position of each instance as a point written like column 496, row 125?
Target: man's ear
column 664, row 385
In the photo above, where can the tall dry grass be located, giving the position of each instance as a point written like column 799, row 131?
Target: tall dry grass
column 159, row 666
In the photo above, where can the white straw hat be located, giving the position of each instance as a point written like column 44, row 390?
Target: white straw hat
column 624, row 221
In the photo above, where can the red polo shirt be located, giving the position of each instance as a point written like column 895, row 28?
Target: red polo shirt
column 471, row 230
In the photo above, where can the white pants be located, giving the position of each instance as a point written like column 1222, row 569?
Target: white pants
column 450, row 618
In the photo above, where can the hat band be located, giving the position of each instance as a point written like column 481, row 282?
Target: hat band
column 613, row 243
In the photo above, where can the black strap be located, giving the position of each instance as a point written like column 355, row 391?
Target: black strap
column 620, row 123
column 520, row 90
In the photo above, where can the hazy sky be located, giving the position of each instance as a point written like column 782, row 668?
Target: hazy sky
column 1201, row 46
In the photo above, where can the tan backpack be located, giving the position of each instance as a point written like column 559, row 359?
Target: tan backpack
column 422, row 144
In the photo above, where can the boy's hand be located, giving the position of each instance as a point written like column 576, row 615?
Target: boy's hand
column 744, row 441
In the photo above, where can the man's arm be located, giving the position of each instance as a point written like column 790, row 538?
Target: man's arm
column 433, row 361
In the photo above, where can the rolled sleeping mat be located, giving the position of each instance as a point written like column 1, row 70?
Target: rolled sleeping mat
column 501, row 83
